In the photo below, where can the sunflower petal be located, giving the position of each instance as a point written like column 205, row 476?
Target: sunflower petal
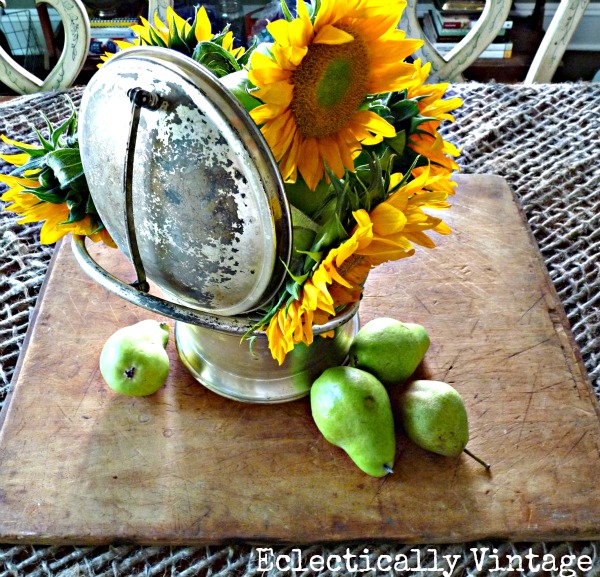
column 203, row 28
column 375, row 123
column 332, row 35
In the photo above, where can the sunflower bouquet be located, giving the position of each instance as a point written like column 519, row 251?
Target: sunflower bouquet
column 350, row 120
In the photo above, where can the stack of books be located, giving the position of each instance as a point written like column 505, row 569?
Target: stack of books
column 450, row 21
column 104, row 32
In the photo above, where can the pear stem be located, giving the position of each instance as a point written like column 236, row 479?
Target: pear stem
column 480, row 461
column 387, row 468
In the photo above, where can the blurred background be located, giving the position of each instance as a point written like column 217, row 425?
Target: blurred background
column 33, row 35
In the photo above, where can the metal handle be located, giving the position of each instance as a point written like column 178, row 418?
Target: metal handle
column 239, row 324
column 132, row 294
column 139, row 98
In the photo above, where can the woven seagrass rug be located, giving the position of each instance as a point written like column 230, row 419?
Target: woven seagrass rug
column 545, row 141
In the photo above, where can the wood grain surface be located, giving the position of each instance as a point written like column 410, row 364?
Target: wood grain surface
column 80, row 464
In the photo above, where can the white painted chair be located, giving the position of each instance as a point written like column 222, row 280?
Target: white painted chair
column 159, row 6
column 75, row 51
column 555, row 41
column 547, row 57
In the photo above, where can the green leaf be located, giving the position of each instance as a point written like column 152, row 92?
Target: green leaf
column 398, row 143
column 219, row 36
column 80, row 185
column 33, row 152
column 90, row 207
column 298, row 279
column 190, row 37
column 316, row 256
column 380, row 110
column 47, row 179
column 53, row 196
column 417, row 121
column 293, row 289
column 155, row 39
column 32, row 164
column 244, row 59
column 214, row 57
column 76, row 213
column 407, row 174
column 332, row 232
column 97, row 224
column 46, row 144
column 56, row 133
column 300, row 219
column 177, row 41
column 315, row 6
column 48, row 124
column 405, row 109
column 72, row 128
column 66, row 163
column 286, row 11
column 73, row 196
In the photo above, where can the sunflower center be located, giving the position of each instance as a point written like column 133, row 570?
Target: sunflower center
column 329, row 86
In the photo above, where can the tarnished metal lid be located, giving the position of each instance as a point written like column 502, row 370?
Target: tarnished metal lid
column 211, row 220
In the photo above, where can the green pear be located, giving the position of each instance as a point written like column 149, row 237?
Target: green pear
column 435, row 418
column 389, row 349
column 352, row 410
column 134, row 361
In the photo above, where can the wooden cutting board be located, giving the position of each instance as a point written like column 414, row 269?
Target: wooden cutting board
column 80, row 464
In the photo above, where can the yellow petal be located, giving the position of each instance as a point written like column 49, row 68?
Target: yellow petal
column 265, row 112
column 310, row 163
column 203, row 28
column 18, row 181
column 267, row 75
column 228, row 41
column 387, row 220
column 329, row 150
column 276, row 134
column 289, row 162
column 442, row 228
column 158, row 23
column 375, row 123
column 277, row 93
column 333, row 36
column 18, row 159
column 22, row 144
column 279, row 30
column 123, row 44
column 301, row 31
column 176, row 22
column 142, row 31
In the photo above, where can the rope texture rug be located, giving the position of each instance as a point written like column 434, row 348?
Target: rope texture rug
column 545, row 140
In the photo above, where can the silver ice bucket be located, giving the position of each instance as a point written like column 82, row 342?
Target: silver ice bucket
column 187, row 187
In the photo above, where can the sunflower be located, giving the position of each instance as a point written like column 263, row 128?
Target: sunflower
column 388, row 232
column 400, row 221
column 49, row 185
column 317, row 79
column 195, row 39
column 443, row 182
column 55, row 217
column 178, row 34
column 293, row 323
column 427, row 141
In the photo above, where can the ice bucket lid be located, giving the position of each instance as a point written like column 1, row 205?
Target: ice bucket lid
column 212, row 222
